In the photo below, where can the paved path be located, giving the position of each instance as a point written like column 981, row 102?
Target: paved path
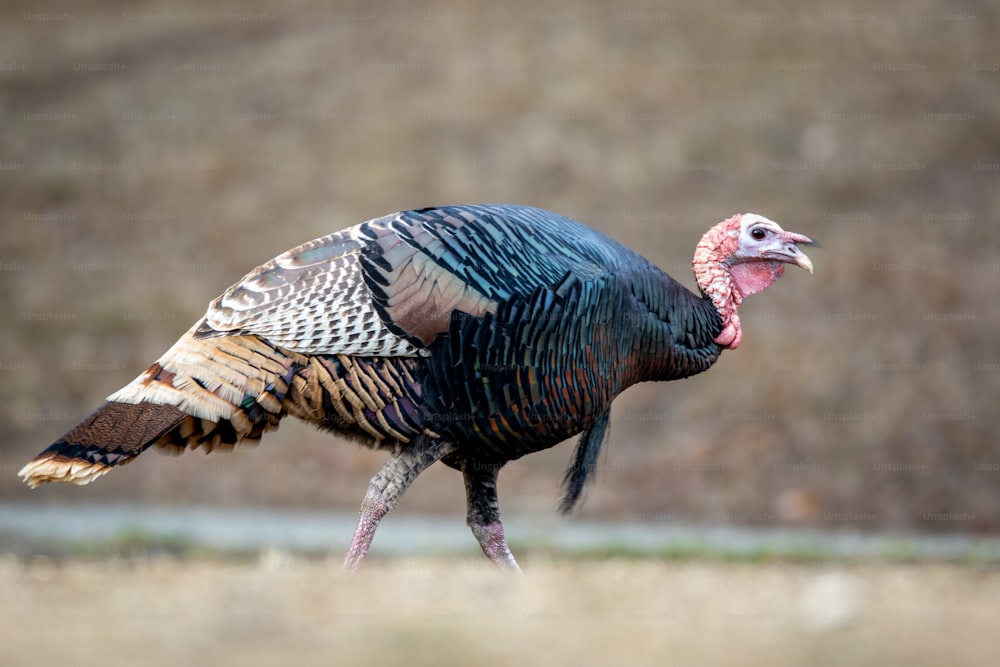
column 22, row 525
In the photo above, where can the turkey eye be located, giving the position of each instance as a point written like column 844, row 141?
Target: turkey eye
column 757, row 234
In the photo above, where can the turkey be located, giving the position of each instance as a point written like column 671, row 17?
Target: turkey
column 469, row 335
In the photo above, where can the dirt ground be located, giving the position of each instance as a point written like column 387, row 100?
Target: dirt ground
column 280, row 609
column 153, row 152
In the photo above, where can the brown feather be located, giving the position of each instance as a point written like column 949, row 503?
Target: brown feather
column 113, row 435
column 420, row 294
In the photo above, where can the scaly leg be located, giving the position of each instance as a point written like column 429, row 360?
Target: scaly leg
column 388, row 486
column 484, row 512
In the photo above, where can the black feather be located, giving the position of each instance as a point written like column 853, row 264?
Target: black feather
column 588, row 448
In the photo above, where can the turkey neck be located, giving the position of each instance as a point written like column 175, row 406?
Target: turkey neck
column 673, row 329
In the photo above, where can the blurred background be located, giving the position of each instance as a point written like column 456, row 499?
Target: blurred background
column 152, row 153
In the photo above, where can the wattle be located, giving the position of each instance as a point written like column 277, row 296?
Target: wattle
column 756, row 276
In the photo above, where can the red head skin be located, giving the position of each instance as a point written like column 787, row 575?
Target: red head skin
column 739, row 257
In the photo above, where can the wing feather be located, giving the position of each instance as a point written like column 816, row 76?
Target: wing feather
column 311, row 299
column 389, row 286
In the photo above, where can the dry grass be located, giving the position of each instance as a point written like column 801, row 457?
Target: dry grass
column 865, row 395
column 417, row 612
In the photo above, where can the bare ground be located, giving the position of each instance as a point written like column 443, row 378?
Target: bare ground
column 151, row 153
column 283, row 610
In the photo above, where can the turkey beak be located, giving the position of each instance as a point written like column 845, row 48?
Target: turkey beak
column 791, row 254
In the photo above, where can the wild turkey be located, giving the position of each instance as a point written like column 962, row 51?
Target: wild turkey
column 470, row 335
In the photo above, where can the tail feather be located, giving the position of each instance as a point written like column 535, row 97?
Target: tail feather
column 584, row 461
column 214, row 392
column 113, row 435
column 203, row 392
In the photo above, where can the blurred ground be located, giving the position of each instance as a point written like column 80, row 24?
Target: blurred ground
column 114, row 530
column 284, row 610
column 152, row 153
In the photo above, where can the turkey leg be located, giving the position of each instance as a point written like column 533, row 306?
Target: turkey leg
column 388, row 486
column 484, row 512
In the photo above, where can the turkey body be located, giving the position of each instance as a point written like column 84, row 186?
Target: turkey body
column 472, row 335
column 504, row 329
column 568, row 320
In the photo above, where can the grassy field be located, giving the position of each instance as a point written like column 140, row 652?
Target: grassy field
column 278, row 609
